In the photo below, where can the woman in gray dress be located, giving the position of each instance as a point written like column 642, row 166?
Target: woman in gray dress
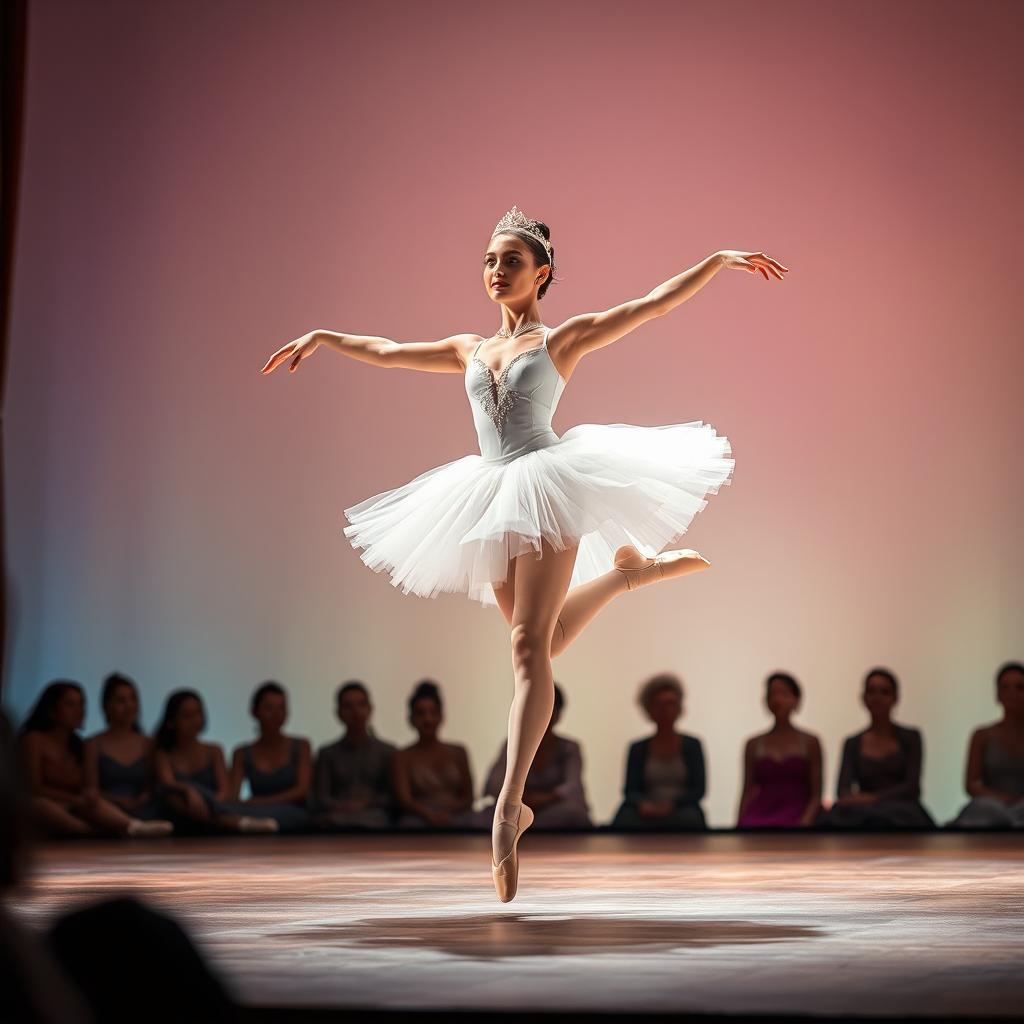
column 554, row 783
column 277, row 768
column 995, row 761
column 665, row 773
column 432, row 780
column 879, row 783
column 119, row 760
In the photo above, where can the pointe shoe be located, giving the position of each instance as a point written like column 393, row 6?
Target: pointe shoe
column 662, row 567
column 506, row 874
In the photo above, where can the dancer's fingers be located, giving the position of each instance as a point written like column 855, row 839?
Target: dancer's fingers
column 279, row 356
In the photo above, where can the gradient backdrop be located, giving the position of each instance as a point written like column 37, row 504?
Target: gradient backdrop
column 204, row 182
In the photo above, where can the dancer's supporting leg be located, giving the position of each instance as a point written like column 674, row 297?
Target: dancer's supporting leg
column 539, row 592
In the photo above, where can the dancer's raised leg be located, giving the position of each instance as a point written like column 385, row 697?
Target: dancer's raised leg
column 539, row 592
column 582, row 603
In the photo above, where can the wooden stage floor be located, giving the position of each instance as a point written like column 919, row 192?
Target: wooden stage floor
column 724, row 923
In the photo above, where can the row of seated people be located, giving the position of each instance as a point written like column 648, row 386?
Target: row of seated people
column 120, row 781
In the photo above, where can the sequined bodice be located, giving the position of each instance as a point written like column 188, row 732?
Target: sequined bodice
column 512, row 411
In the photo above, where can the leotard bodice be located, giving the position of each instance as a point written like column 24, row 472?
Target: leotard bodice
column 512, row 411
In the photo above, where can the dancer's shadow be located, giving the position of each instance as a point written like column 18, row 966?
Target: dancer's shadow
column 493, row 936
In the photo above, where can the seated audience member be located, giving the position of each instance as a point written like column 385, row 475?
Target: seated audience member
column 781, row 767
column 33, row 986
column 119, row 760
column 352, row 787
column 554, row 785
column 54, row 766
column 278, row 768
column 880, row 775
column 191, row 774
column 994, row 778
column 432, row 782
column 117, row 960
column 665, row 774
column 135, row 963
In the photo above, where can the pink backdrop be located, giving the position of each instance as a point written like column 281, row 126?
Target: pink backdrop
column 206, row 181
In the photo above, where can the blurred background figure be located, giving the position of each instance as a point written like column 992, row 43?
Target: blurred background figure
column 119, row 761
column 352, row 779
column 432, row 780
column 665, row 774
column 994, row 776
column 782, row 767
column 880, row 774
column 192, row 775
column 33, row 986
column 53, row 759
column 554, row 784
column 277, row 768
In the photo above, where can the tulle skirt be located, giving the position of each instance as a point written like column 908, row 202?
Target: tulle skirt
column 454, row 528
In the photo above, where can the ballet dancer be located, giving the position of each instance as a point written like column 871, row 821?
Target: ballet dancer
column 592, row 508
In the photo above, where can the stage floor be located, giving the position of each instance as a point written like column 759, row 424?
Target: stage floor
column 817, row 924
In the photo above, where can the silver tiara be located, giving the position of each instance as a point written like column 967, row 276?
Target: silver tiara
column 515, row 218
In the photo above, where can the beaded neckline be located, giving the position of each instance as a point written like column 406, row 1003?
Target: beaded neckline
column 504, row 371
column 501, row 373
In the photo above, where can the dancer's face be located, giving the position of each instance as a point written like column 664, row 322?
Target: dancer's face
column 664, row 706
column 69, row 711
column 271, row 712
column 122, row 707
column 781, row 700
column 879, row 697
column 426, row 717
column 354, row 709
column 1010, row 691
column 508, row 259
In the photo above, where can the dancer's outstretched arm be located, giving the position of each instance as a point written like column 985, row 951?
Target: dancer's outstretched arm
column 585, row 332
column 445, row 356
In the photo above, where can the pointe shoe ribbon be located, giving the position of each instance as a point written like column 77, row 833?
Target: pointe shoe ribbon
column 662, row 567
column 506, row 874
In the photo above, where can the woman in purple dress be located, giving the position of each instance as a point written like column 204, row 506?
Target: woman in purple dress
column 782, row 767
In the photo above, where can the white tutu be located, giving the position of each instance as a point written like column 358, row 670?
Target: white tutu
column 454, row 528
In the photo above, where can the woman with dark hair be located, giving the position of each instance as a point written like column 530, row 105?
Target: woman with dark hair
column 554, row 785
column 278, row 768
column 879, row 783
column 994, row 774
column 119, row 760
column 781, row 767
column 431, row 779
column 665, row 774
column 590, row 510
column 192, row 776
column 54, row 763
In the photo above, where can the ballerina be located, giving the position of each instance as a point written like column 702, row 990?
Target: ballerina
column 592, row 508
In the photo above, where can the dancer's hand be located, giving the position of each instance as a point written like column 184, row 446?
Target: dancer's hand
column 754, row 262
column 300, row 348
